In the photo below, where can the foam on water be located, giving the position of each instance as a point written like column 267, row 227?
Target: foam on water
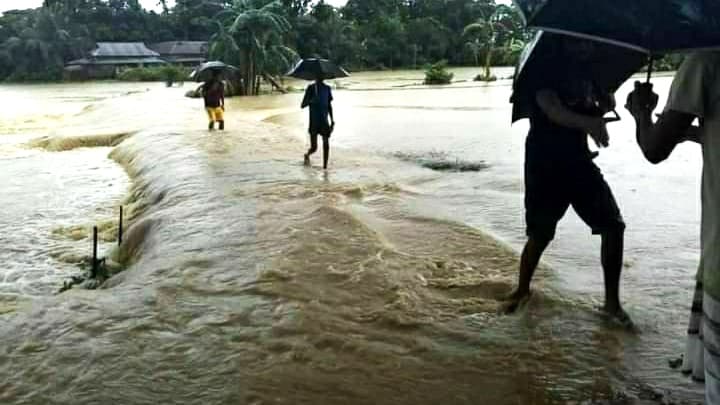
column 251, row 279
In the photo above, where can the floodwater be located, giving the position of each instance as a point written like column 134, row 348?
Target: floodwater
column 252, row 279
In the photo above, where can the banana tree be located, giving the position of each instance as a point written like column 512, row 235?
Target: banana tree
column 487, row 31
column 253, row 30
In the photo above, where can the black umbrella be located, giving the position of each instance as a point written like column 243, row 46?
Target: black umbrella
column 651, row 26
column 207, row 70
column 608, row 66
column 313, row 69
column 654, row 27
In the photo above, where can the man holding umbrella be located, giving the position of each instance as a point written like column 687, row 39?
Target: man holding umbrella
column 318, row 97
column 565, row 99
column 695, row 94
column 213, row 90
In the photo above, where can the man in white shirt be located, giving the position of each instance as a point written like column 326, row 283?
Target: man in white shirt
column 695, row 94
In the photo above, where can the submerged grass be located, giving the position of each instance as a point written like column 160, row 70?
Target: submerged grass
column 441, row 161
column 62, row 144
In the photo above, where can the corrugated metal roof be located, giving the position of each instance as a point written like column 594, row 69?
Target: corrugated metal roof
column 116, row 61
column 120, row 49
column 181, row 48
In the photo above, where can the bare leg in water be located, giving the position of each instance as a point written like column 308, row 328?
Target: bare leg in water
column 313, row 149
column 529, row 260
column 612, row 262
column 326, row 151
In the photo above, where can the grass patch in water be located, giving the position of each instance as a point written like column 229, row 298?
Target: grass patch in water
column 62, row 144
column 441, row 161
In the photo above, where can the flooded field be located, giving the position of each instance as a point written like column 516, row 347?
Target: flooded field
column 252, row 279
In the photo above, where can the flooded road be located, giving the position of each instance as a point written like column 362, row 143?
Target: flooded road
column 255, row 280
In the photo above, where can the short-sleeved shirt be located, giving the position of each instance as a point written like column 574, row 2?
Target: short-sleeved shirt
column 213, row 93
column 550, row 141
column 318, row 97
column 696, row 91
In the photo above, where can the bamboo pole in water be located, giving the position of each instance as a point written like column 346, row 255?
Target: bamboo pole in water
column 94, row 258
column 120, row 227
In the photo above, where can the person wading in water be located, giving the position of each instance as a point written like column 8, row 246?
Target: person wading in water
column 560, row 172
column 213, row 93
column 318, row 97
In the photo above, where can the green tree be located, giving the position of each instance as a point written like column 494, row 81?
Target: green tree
column 39, row 51
column 489, row 30
column 255, row 28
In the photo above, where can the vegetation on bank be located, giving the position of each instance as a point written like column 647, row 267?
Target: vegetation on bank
column 264, row 37
column 167, row 73
column 437, row 74
column 362, row 35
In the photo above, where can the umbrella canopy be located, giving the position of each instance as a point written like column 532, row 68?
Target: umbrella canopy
column 550, row 55
column 313, row 69
column 650, row 26
column 206, row 71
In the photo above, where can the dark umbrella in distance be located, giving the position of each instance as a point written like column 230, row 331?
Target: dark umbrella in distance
column 206, row 71
column 609, row 66
column 313, row 69
column 655, row 27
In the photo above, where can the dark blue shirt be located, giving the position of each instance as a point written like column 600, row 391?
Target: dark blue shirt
column 318, row 97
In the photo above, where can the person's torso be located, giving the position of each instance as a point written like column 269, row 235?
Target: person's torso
column 710, row 235
column 550, row 141
column 213, row 95
column 320, row 106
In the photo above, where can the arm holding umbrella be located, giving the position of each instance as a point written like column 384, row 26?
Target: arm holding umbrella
column 658, row 140
column 553, row 107
column 222, row 95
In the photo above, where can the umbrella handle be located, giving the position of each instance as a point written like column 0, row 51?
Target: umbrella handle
column 651, row 58
column 616, row 118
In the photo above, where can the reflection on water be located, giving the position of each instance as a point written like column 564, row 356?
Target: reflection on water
column 260, row 281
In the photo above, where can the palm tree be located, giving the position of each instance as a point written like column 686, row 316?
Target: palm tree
column 486, row 30
column 253, row 30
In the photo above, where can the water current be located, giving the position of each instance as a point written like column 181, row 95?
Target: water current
column 251, row 279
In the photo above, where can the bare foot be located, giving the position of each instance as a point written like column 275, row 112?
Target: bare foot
column 515, row 300
column 306, row 162
column 618, row 315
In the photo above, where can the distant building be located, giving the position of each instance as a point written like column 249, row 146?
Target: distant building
column 187, row 53
column 108, row 58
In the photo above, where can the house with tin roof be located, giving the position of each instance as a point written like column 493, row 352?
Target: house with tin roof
column 108, row 58
column 187, row 53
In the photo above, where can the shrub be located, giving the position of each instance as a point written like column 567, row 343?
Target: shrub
column 438, row 74
column 482, row 78
column 155, row 74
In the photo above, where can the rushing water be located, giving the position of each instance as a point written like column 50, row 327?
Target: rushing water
column 256, row 280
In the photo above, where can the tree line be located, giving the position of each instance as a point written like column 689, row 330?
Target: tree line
column 264, row 37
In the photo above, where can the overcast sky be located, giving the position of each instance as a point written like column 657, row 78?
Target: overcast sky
column 150, row 4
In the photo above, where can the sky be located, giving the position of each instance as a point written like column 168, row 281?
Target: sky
column 149, row 4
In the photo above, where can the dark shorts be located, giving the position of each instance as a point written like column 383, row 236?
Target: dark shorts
column 323, row 130
column 552, row 186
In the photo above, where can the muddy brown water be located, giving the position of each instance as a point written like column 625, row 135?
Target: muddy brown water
column 256, row 280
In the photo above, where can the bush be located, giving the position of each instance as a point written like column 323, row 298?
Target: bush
column 155, row 74
column 482, row 78
column 438, row 74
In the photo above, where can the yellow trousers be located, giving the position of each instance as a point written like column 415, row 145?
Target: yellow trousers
column 215, row 114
